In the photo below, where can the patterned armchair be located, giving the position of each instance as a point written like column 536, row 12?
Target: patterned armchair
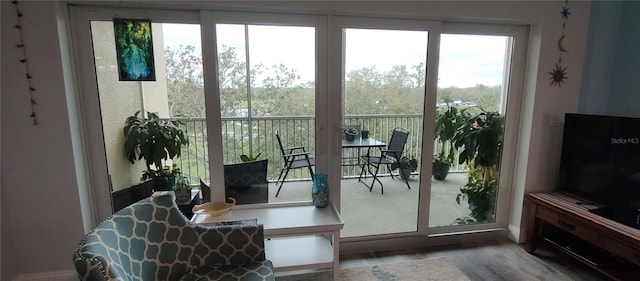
column 153, row 240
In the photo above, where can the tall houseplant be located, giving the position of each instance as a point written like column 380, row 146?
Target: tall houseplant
column 448, row 121
column 155, row 141
column 481, row 142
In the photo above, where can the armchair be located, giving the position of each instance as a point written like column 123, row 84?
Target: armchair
column 152, row 240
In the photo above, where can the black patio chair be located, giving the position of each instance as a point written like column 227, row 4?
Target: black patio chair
column 296, row 157
column 388, row 156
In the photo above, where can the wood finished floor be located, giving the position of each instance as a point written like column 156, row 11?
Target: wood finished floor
column 500, row 260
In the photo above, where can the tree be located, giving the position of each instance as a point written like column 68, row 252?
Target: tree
column 184, row 81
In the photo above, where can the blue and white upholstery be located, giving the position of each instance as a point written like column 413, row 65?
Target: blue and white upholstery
column 153, row 240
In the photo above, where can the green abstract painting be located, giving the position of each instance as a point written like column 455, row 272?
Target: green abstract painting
column 134, row 49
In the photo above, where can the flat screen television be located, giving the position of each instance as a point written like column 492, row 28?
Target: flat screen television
column 600, row 161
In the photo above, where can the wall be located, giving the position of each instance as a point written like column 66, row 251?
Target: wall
column 610, row 85
column 42, row 219
column 41, row 211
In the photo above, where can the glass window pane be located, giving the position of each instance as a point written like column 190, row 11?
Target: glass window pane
column 267, row 86
column 470, row 86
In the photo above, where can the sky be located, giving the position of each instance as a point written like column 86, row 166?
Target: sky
column 465, row 60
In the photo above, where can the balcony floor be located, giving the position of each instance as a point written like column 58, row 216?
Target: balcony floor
column 371, row 213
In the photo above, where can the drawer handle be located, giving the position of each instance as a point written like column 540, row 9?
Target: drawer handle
column 566, row 225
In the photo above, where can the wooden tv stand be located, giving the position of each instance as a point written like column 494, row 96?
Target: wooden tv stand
column 605, row 245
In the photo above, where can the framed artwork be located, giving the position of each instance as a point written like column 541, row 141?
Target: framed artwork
column 134, row 50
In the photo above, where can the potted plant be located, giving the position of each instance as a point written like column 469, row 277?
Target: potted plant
column 181, row 186
column 448, row 120
column 406, row 166
column 155, row 141
column 480, row 197
column 481, row 142
column 250, row 158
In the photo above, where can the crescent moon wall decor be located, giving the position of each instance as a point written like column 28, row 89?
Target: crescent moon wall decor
column 559, row 73
column 561, row 44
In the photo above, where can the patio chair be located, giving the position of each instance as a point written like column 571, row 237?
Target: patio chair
column 205, row 191
column 245, row 182
column 295, row 157
column 388, row 156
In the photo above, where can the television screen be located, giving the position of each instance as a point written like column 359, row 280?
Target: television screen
column 601, row 159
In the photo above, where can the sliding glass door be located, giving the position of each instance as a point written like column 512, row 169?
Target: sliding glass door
column 264, row 87
column 382, row 93
column 477, row 108
column 237, row 79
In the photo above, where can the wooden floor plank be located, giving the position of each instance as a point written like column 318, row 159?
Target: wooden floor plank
column 501, row 260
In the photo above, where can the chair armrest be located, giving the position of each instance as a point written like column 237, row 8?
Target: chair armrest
column 306, row 154
column 291, row 149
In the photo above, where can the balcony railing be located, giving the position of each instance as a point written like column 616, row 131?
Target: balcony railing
column 257, row 135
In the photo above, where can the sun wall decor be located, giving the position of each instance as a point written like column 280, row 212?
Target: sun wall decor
column 28, row 75
column 559, row 73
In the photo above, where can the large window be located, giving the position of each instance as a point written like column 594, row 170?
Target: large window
column 234, row 80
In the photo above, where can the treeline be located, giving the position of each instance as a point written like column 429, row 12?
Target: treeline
column 367, row 91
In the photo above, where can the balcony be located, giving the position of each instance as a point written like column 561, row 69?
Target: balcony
column 244, row 136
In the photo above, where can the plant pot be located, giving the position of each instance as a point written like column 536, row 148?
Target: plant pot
column 405, row 174
column 161, row 185
column 440, row 170
column 183, row 195
column 350, row 137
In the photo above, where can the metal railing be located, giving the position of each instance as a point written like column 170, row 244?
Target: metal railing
column 250, row 137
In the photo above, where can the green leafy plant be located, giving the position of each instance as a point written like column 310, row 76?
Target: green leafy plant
column 249, row 158
column 448, row 121
column 481, row 142
column 180, row 181
column 481, row 197
column 405, row 162
column 155, row 141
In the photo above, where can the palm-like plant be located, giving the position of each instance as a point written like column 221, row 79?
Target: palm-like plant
column 448, row 121
column 481, row 142
column 153, row 140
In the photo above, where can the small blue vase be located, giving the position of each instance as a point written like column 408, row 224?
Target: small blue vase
column 320, row 191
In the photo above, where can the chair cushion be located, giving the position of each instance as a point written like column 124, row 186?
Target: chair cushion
column 261, row 270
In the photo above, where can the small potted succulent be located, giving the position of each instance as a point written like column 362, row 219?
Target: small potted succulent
column 181, row 185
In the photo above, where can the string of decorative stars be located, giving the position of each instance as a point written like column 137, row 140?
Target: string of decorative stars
column 559, row 73
column 23, row 60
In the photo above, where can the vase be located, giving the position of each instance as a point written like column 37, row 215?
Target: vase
column 320, row 191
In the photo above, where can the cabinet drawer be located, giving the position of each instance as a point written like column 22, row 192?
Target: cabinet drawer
column 567, row 225
column 622, row 250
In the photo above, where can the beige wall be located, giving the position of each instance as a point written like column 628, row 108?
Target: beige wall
column 122, row 99
column 41, row 206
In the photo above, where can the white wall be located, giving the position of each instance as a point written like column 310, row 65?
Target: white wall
column 42, row 220
column 41, row 210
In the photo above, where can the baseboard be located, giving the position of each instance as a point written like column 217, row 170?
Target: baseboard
column 49, row 276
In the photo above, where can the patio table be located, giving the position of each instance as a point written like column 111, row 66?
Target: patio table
column 360, row 143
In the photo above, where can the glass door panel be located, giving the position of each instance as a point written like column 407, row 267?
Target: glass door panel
column 384, row 90
column 471, row 107
column 267, row 87
column 177, row 93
